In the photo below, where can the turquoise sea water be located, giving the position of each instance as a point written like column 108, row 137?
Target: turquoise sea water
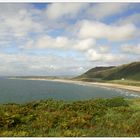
column 21, row 91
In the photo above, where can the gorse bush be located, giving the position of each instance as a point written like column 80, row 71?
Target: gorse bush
column 95, row 117
column 116, row 102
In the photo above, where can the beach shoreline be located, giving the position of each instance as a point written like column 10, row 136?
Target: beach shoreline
column 109, row 85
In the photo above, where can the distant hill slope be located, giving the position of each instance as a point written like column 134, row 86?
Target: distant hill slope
column 128, row 71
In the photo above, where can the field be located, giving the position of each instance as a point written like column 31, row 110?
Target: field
column 90, row 118
column 125, row 82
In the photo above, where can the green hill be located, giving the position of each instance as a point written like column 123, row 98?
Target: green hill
column 128, row 72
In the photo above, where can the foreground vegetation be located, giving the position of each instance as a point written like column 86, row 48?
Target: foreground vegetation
column 95, row 117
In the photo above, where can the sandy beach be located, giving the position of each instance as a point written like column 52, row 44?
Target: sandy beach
column 111, row 85
column 126, row 87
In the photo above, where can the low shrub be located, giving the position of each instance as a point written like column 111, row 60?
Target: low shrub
column 95, row 117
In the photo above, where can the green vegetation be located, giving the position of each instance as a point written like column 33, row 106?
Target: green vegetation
column 125, row 82
column 127, row 72
column 95, row 117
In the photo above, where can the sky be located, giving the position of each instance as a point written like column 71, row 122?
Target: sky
column 67, row 38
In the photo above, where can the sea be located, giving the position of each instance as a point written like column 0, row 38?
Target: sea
column 24, row 91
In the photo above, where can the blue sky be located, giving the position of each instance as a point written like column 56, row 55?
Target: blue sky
column 67, row 38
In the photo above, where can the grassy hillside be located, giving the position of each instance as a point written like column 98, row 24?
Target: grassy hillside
column 128, row 71
column 95, row 117
column 125, row 82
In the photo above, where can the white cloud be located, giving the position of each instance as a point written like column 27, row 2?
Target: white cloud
column 19, row 20
column 48, row 42
column 131, row 48
column 104, row 49
column 103, row 10
column 25, row 64
column 60, row 42
column 84, row 44
column 59, row 10
column 21, row 25
column 94, row 55
column 7, row 9
column 32, row 27
column 98, row 30
column 91, row 10
column 134, row 18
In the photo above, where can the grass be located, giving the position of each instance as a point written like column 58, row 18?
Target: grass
column 92, row 118
column 125, row 82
